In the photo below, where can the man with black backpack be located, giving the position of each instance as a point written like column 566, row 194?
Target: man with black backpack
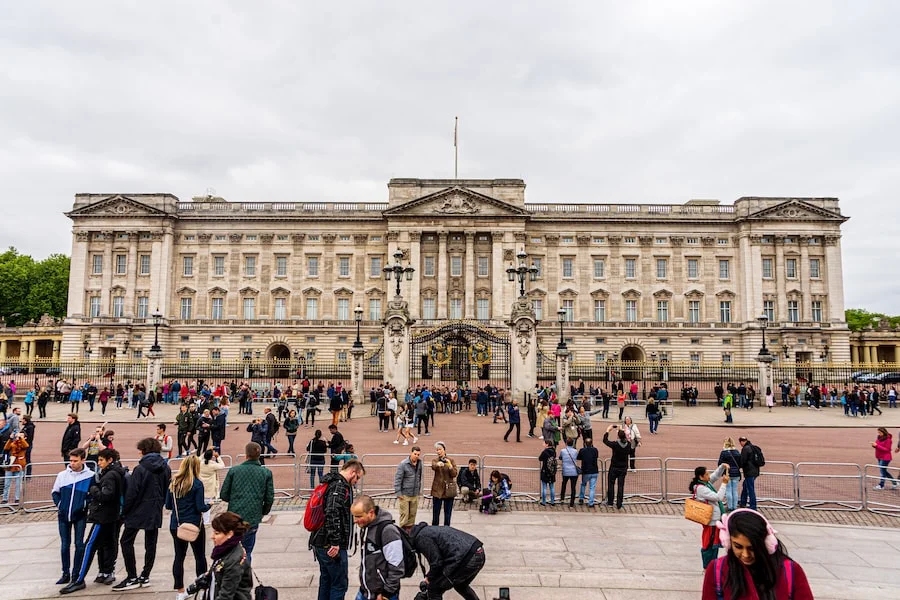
column 454, row 559
column 385, row 550
column 751, row 460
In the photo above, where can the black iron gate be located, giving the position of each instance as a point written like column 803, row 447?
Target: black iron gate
column 459, row 353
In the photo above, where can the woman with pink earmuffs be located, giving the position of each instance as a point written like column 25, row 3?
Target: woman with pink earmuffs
column 756, row 565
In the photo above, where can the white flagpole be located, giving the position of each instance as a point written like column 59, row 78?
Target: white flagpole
column 455, row 148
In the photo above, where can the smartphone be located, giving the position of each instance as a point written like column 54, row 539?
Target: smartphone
column 504, row 593
column 615, row 426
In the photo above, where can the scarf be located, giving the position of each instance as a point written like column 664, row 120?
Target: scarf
column 226, row 546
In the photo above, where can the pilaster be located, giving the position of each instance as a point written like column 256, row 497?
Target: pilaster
column 523, row 356
column 469, row 266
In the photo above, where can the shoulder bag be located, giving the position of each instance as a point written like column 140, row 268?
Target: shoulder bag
column 187, row 532
column 697, row 511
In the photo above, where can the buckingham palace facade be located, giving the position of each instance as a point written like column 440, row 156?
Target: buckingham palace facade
column 680, row 282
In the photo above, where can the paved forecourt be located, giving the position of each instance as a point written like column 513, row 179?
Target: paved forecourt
column 536, row 554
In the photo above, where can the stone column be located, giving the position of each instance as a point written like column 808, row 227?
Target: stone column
column 764, row 379
column 105, row 298
column 55, row 357
column 832, row 270
column 415, row 286
column 854, row 354
column 523, row 355
column 77, row 275
column 154, row 369
column 2, row 349
column 562, row 375
column 497, row 274
column 133, row 267
column 358, row 375
column 806, row 302
column 397, row 324
column 897, row 353
column 469, row 266
column 32, row 351
column 442, row 275
column 780, row 283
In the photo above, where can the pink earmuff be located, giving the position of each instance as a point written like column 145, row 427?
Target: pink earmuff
column 725, row 537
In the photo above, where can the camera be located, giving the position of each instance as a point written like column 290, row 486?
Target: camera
column 423, row 591
column 201, row 583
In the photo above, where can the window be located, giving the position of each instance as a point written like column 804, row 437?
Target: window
column 281, row 237
column 630, row 240
column 247, row 339
column 121, row 264
column 482, row 309
column 567, row 268
column 660, row 240
column 661, row 268
column 695, row 358
column 185, row 338
column 281, row 266
column 599, row 340
column 220, row 238
column 217, row 308
column 569, row 307
column 374, row 309
column 215, row 338
column 455, row 308
column 215, row 355
column 599, row 268
column 630, row 268
column 343, row 309
column 313, row 238
column 726, row 341
column 695, row 341
column 482, row 266
column 693, row 241
column 726, row 358
column 599, row 311
column 143, row 307
column 345, row 238
column 187, row 266
column 145, row 264
column 814, row 268
column 344, row 266
column 662, row 310
column 249, row 308
column 312, row 266
column 186, row 306
column 184, row 355
column 189, row 238
column 375, row 266
column 538, row 306
column 375, row 238
column 631, row 310
column 599, row 240
column 250, row 266
column 599, row 360
column 137, row 354
column 251, row 238
column 97, row 264
column 280, row 309
column 428, row 311
column 817, row 311
column 769, row 310
column 793, row 311
column 663, row 341
column 722, row 241
column 790, row 268
column 455, row 266
column 312, row 308
column 118, row 306
column 538, row 264
column 725, row 311
column 428, row 267
column 723, row 268
column 693, row 311
column 536, row 240
column 693, row 268
column 218, row 265
column 374, row 340
column 767, row 268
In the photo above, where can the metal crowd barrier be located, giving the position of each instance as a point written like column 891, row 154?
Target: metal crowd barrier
column 887, row 500
column 309, row 473
column 775, row 486
column 524, row 473
column 285, row 476
column 381, row 468
column 819, row 488
column 678, row 473
column 645, row 483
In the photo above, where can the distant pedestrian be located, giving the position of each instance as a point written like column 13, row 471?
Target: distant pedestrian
column 590, row 470
column 443, row 486
column 514, row 421
column 315, row 453
column 618, row 465
column 548, row 470
column 71, row 438
column 750, row 464
column 732, row 457
column 883, row 445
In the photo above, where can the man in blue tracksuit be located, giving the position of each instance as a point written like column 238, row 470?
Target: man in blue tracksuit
column 70, row 495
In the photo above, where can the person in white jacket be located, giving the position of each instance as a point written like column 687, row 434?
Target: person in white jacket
column 703, row 489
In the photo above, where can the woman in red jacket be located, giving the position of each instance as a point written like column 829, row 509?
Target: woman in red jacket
column 883, row 444
column 756, row 565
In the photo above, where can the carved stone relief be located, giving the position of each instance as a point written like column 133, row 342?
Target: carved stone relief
column 457, row 204
column 524, row 331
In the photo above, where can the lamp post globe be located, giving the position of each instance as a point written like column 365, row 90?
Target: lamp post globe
column 763, row 321
column 561, row 317
column 358, row 314
column 157, row 321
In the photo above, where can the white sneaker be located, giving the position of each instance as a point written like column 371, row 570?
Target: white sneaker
column 406, row 443
column 181, row 596
column 415, row 439
column 396, row 441
column 878, row 487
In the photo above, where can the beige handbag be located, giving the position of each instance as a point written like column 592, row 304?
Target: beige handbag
column 187, row 532
column 697, row 511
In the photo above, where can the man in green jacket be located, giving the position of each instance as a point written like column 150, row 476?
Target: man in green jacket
column 250, row 492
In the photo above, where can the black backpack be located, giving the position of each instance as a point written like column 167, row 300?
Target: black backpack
column 410, row 556
column 757, row 456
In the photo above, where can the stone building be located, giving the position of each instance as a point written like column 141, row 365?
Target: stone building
column 678, row 282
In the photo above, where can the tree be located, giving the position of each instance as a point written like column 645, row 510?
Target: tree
column 859, row 318
column 28, row 289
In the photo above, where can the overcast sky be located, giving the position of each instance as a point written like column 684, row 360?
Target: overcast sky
column 646, row 102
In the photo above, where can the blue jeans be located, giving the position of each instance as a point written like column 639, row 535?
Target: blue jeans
column 361, row 596
column 436, row 504
column 884, row 472
column 10, row 478
column 748, row 493
column 249, row 541
column 333, row 581
column 313, row 469
column 731, row 493
column 590, row 480
column 654, row 422
column 65, row 541
column 548, row 489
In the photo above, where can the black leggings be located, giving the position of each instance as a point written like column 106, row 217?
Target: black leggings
column 181, row 547
column 562, row 493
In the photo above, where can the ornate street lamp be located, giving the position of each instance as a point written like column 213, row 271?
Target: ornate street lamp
column 763, row 321
column 561, row 317
column 522, row 272
column 397, row 271
column 157, row 321
column 358, row 314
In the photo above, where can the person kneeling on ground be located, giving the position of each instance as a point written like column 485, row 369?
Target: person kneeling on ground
column 454, row 559
column 496, row 493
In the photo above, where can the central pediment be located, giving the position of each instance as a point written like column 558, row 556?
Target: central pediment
column 456, row 201
column 117, row 205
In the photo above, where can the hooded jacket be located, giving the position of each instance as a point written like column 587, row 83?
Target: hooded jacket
column 146, row 493
column 338, row 527
column 70, row 494
column 748, row 467
column 381, row 567
column 621, row 450
column 446, row 549
column 106, row 495
column 883, row 447
column 71, row 438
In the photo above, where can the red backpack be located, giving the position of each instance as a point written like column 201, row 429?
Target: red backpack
column 314, row 515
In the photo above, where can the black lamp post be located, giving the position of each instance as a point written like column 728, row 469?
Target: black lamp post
column 763, row 321
column 157, row 321
column 397, row 271
column 522, row 272
column 358, row 313
column 561, row 317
